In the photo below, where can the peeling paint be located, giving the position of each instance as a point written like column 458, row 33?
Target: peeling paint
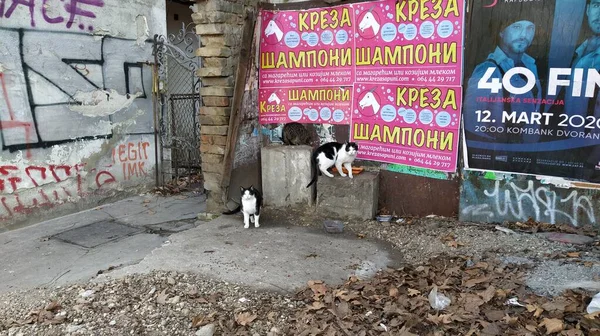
column 555, row 181
column 1, row 68
column 101, row 103
column 142, row 30
column 99, row 33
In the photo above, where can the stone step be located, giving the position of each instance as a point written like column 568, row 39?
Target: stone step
column 346, row 197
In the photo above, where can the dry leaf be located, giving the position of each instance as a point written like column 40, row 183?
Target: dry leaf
column 473, row 282
column 495, row 315
column 342, row 309
column 199, row 321
column 573, row 332
column 491, row 329
column 318, row 287
column 552, row 325
column 406, row 332
column 52, row 306
column 557, row 305
column 488, row 294
column 393, row 292
column 244, row 319
column 413, row 292
column 316, row 305
column 162, row 297
column 574, row 254
column 531, row 328
column 454, row 244
column 440, row 319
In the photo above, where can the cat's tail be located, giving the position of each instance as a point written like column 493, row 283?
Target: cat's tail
column 236, row 210
column 313, row 164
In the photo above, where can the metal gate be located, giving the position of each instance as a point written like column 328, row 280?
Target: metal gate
column 178, row 96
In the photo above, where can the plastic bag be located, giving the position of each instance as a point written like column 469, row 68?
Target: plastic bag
column 438, row 301
column 594, row 305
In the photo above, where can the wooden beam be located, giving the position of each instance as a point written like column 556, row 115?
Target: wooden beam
column 235, row 118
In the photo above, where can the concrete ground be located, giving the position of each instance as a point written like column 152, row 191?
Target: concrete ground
column 152, row 232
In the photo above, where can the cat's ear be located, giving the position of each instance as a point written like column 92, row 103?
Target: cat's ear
column 241, row 189
column 251, row 187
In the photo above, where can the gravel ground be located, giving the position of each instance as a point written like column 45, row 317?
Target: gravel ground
column 177, row 303
column 421, row 239
column 153, row 304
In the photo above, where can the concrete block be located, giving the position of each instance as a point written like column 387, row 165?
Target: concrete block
column 212, row 181
column 213, row 52
column 285, row 173
column 214, row 139
column 216, row 91
column 216, row 62
column 216, row 168
column 211, row 29
column 215, row 111
column 214, row 72
column 212, row 101
column 345, row 197
column 212, row 149
column 211, row 158
column 216, row 17
column 217, row 81
column 213, row 130
column 214, row 120
column 220, row 5
column 229, row 40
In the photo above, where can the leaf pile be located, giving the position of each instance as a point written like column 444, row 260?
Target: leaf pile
column 49, row 314
column 396, row 301
column 179, row 185
column 532, row 226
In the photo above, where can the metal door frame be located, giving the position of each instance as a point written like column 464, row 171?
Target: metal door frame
column 181, row 49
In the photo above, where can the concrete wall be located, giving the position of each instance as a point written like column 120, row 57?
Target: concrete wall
column 494, row 197
column 76, row 121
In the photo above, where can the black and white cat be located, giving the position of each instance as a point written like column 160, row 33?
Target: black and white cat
column 251, row 204
column 333, row 154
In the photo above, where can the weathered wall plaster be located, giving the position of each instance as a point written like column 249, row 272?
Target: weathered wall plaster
column 76, row 122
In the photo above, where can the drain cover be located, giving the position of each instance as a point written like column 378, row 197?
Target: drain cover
column 97, row 233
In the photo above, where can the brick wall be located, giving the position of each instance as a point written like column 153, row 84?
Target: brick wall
column 219, row 23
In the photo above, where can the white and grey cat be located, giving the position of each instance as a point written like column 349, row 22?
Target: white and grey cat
column 333, row 154
column 251, row 204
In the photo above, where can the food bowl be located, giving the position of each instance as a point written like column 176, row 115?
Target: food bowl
column 384, row 218
column 333, row 226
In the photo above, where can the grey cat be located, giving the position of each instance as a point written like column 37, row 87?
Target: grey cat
column 295, row 134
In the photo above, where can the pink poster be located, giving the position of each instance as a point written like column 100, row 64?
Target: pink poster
column 308, row 48
column 402, row 42
column 317, row 105
column 410, row 125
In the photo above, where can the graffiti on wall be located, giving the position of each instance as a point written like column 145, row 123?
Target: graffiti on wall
column 25, row 188
column 75, row 101
column 47, row 95
column 132, row 157
column 71, row 12
column 521, row 199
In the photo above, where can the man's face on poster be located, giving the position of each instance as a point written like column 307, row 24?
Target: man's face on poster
column 593, row 14
column 518, row 36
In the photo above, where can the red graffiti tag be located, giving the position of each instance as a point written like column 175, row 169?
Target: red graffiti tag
column 12, row 123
